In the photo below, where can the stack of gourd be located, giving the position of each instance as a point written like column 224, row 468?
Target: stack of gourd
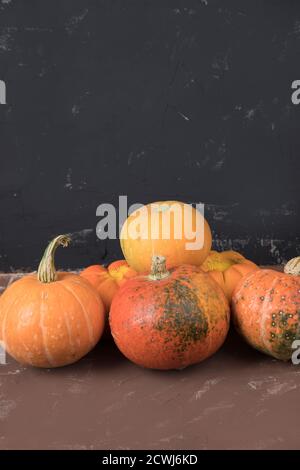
column 167, row 306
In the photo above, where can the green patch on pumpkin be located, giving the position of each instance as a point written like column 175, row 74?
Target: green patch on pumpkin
column 183, row 322
column 288, row 333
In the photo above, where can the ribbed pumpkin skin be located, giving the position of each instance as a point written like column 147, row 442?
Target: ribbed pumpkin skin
column 108, row 280
column 170, row 323
column 227, row 268
column 50, row 324
column 266, row 311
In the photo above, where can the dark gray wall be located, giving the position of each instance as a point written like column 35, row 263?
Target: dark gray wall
column 186, row 100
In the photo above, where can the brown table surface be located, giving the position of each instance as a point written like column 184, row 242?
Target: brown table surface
column 238, row 399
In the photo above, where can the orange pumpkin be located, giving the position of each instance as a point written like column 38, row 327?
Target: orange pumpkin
column 266, row 309
column 50, row 319
column 227, row 268
column 169, row 319
column 176, row 230
column 108, row 280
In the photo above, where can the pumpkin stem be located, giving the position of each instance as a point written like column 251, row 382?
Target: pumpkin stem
column 158, row 268
column 293, row 266
column 46, row 271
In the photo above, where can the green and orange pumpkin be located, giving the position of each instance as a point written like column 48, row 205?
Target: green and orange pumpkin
column 266, row 309
column 169, row 319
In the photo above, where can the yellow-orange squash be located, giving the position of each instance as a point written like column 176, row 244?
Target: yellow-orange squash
column 266, row 309
column 227, row 268
column 176, row 230
column 169, row 319
column 108, row 280
column 50, row 319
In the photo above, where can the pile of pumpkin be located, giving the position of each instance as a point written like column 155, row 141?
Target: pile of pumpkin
column 167, row 306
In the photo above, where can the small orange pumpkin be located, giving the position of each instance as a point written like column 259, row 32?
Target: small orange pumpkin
column 169, row 319
column 266, row 309
column 227, row 268
column 50, row 319
column 176, row 230
column 108, row 280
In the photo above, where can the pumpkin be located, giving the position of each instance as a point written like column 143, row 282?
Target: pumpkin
column 50, row 319
column 108, row 280
column 169, row 319
column 227, row 268
column 266, row 309
column 176, row 230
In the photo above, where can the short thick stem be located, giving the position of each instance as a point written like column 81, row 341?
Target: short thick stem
column 158, row 268
column 46, row 271
column 293, row 266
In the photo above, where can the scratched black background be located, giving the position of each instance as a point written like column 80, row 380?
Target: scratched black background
column 186, row 100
